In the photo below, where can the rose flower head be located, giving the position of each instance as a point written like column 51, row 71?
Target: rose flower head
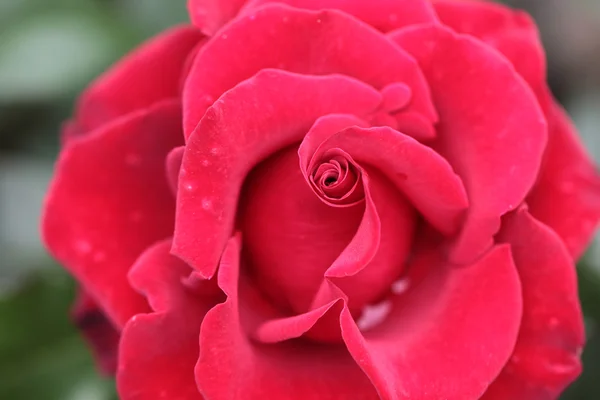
column 328, row 199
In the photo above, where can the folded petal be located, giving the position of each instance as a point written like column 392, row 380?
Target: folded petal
column 491, row 130
column 233, row 367
column 384, row 15
column 158, row 350
column 421, row 174
column 291, row 237
column 450, row 320
column 235, row 135
column 98, row 331
column 546, row 358
column 567, row 194
column 151, row 73
column 173, row 165
column 109, row 200
column 278, row 36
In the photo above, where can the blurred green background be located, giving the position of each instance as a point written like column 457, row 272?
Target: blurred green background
column 49, row 50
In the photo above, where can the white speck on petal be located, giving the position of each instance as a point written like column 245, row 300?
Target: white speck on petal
column 400, row 286
column 206, row 204
column 373, row 315
column 83, row 246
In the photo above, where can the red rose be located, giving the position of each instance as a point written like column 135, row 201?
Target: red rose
column 327, row 199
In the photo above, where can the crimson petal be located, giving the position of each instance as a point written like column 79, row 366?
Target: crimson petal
column 231, row 366
column 546, row 358
column 451, row 319
column 494, row 137
column 109, row 200
column 210, row 15
column 158, row 351
column 235, row 135
column 296, row 40
column 152, row 73
column 571, row 180
column 512, row 32
column 384, row 15
column 98, row 332
column 420, row 173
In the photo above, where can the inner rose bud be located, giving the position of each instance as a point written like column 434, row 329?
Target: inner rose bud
column 337, row 181
column 295, row 230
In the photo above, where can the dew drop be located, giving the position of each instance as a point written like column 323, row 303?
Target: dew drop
column 400, row 286
column 207, row 204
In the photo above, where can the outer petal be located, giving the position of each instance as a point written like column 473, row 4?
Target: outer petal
column 150, row 74
column 159, row 350
column 384, row 15
column 568, row 176
column 265, row 114
column 512, row 32
column 546, row 357
column 98, row 331
column 301, row 41
column 567, row 194
column 210, row 15
column 231, row 367
column 449, row 335
column 110, row 200
column 491, row 129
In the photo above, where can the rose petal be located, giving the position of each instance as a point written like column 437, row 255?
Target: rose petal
column 491, row 130
column 567, row 194
column 231, row 366
column 98, row 332
column 146, row 76
column 512, row 32
column 173, row 165
column 568, row 175
column 297, row 41
column 210, row 15
column 546, row 358
column 449, row 321
column 109, row 200
column 158, row 351
column 235, row 135
column 291, row 237
column 384, row 15
column 424, row 177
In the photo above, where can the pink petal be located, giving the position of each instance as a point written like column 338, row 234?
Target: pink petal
column 307, row 42
column 159, row 350
column 567, row 194
column 491, row 130
column 210, row 15
column 146, row 76
column 232, row 366
column 109, row 200
column 384, row 15
column 546, row 358
column 235, row 135
column 449, row 335
column 99, row 333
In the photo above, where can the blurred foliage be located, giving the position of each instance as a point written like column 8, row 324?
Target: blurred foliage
column 49, row 50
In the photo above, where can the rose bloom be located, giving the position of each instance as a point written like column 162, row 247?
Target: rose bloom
column 328, row 199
